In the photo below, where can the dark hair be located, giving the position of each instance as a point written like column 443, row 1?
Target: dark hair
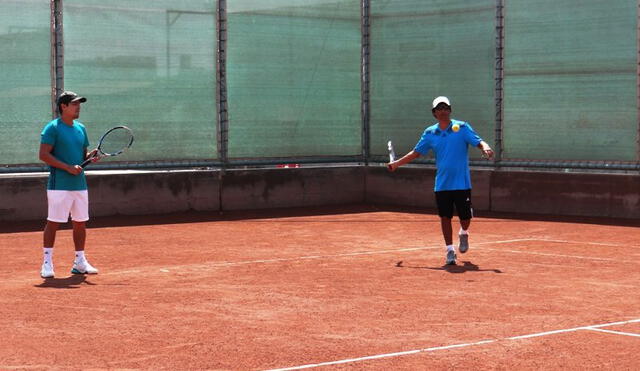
column 433, row 110
column 66, row 98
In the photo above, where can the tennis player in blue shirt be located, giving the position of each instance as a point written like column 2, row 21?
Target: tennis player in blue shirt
column 449, row 139
column 63, row 146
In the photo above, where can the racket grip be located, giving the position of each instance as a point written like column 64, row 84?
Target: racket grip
column 86, row 162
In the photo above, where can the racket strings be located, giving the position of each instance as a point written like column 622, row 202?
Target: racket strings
column 116, row 141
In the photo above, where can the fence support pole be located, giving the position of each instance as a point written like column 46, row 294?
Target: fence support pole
column 57, row 55
column 364, row 79
column 221, row 82
column 222, row 126
column 499, row 80
column 638, row 83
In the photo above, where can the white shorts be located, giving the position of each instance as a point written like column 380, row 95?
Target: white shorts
column 63, row 203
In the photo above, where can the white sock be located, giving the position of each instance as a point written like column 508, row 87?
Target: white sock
column 462, row 231
column 450, row 248
column 80, row 256
column 48, row 255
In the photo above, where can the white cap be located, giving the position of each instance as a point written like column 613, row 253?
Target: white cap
column 439, row 100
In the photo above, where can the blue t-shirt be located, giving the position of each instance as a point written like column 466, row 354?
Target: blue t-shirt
column 451, row 150
column 69, row 146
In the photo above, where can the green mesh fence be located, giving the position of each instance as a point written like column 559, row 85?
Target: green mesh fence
column 423, row 49
column 293, row 80
column 25, row 75
column 570, row 80
column 147, row 64
column 293, row 75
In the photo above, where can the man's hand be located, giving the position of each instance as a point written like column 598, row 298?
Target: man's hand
column 487, row 152
column 392, row 166
column 93, row 155
column 74, row 170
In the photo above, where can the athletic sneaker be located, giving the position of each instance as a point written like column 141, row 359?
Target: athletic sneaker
column 464, row 243
column 83, row 268
column 451, row 257
column 47, row 270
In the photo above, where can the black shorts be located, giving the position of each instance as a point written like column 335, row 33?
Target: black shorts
column 461, row 199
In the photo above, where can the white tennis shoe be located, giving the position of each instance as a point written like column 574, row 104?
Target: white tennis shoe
column 464, row 243
column 451, row 258
column 83, row 267
column 47, row 270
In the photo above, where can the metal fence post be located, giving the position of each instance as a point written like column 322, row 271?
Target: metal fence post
column 499, row 79
column 638, row 84
column 57, row 55
column 221, row 83
column 364, row 82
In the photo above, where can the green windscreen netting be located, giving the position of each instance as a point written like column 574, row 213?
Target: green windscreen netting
column 149, row 65
column 293, row 75
column 293, row 70
column 25, row 75
column 423, row 49
column 570, row 80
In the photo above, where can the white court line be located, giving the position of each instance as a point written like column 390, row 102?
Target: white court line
column 299, row 258
column 360, row 253
column 433, row 349
column 614, row 332
column 560, row 255
column 508, row 241
column 277, row 260
column 582, row 243
column 166, row 269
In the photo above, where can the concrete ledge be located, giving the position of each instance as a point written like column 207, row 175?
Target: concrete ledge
column 156, row 192
column 407, row 186
column 139, row 193
column 294, row 187
column 413, row 186
column 23, row 196
column 605, row 195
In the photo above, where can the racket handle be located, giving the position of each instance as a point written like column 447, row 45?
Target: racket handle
column 86, row 162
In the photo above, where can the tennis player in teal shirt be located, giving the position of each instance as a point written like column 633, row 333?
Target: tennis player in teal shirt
column 63, row 146
column 449, row 139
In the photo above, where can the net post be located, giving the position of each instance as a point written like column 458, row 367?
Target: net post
column 499, row 80
column 57, row 54
column 365, row 28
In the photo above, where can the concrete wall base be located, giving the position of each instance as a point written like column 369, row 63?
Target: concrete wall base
column 23, row 196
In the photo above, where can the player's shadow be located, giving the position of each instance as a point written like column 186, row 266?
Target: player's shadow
column 466, row 266
column 72, row 282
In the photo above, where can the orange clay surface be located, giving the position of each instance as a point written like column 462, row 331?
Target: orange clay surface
column 345, row 288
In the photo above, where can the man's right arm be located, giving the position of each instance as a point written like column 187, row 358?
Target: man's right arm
column 392, row 166
column 49, row 159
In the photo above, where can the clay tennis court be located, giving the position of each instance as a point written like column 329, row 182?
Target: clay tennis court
column 343, row 288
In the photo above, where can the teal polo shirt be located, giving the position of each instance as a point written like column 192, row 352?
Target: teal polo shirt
column 451, row 151
column 69, row 146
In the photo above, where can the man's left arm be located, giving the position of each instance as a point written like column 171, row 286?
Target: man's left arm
column 472, row 138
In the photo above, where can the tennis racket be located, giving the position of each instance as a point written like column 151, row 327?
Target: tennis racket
column 115, row 141
column 392, row 153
